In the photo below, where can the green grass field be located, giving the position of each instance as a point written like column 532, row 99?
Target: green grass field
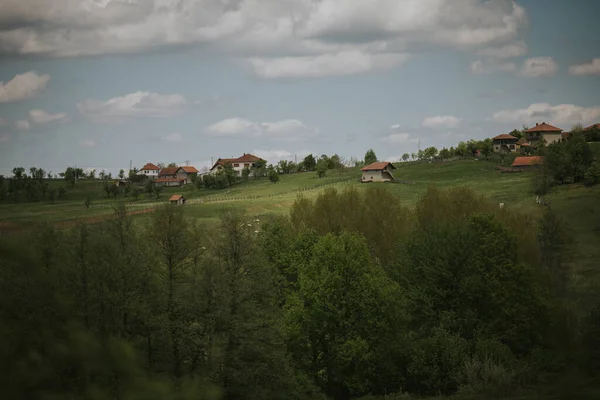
column 576, row 204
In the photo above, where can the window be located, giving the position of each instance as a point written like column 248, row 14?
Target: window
column 236, row 165
column 247, row 165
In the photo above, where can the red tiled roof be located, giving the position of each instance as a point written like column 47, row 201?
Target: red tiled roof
column 527, row 161
column 246, row 158
column 168, row 171
column 505, row 136
column 150, row 167
column 378, row 166
column 170, row 180
column 544, row 127
column 175, row 197
column 190, row 169
column 592, row 126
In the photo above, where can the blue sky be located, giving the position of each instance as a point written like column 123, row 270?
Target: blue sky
column 97, row 83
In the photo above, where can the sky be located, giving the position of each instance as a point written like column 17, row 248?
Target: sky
column 98, row 84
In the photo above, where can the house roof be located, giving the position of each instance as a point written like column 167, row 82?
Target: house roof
column 150, row 167
column 544, row 127
column 527, row 161
column 246, row 158
column 505, row 136
column 176, row 197
column 170, row 180
column 168, row 171
column 592, row 126
column 378, row 166
column 190, row 169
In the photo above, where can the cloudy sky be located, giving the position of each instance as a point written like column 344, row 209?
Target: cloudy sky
column 97, row 83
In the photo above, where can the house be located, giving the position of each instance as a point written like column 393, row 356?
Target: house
column 170, row 182
column 593, row 126
column 149, row 170
column 504, row 143
column 238, row 164
column 380, row 171
column 547, row 132
column 177, row 199
column 527, row 162
column 189, row 170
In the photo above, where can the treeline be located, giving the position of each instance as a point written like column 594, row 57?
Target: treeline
column 351, row 295
column 33, row 187
column 567, row 161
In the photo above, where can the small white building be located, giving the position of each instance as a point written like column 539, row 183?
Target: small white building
column 380, row 171
column 177, row 199
column 150, row 171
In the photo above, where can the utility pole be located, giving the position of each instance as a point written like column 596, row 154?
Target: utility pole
column 130, row 164
column 211, row 162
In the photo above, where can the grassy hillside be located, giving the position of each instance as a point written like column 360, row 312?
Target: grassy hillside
column 575, row 203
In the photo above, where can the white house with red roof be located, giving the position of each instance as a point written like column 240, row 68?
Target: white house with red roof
column 547, row 132
column 150, row 171
column 238, row 164
column 380, row 171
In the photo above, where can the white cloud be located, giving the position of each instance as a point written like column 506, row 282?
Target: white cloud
column 399, row 138
column 255, row 29
column 538, row 67
column 441, row 121
column 138, row 104
column 561, row 115
column 481, row 67
column 173, row 137
column 42, row 117
column 22, row 124
column 287, row 130
column 343, row 63
column 591, row 68
column 23, row 86
column 395, row 126
column 87, row 143
column 509, row 50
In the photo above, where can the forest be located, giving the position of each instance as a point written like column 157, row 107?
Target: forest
column 351, row 295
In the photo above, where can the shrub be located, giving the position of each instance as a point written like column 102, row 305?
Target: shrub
column 592, row 175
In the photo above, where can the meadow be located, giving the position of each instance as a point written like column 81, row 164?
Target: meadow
column 575, row 204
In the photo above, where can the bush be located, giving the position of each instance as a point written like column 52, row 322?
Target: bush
column 592, row 175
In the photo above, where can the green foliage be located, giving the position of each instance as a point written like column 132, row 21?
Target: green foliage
column 370, row 157
column 245, row 174
column 339, row 317
column 309, row 163
column 158, row 189
column 273, row 175
column 352, row 294
column 592, row 175
column 321, row 168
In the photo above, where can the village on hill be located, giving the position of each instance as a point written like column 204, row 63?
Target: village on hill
column 524, row 143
